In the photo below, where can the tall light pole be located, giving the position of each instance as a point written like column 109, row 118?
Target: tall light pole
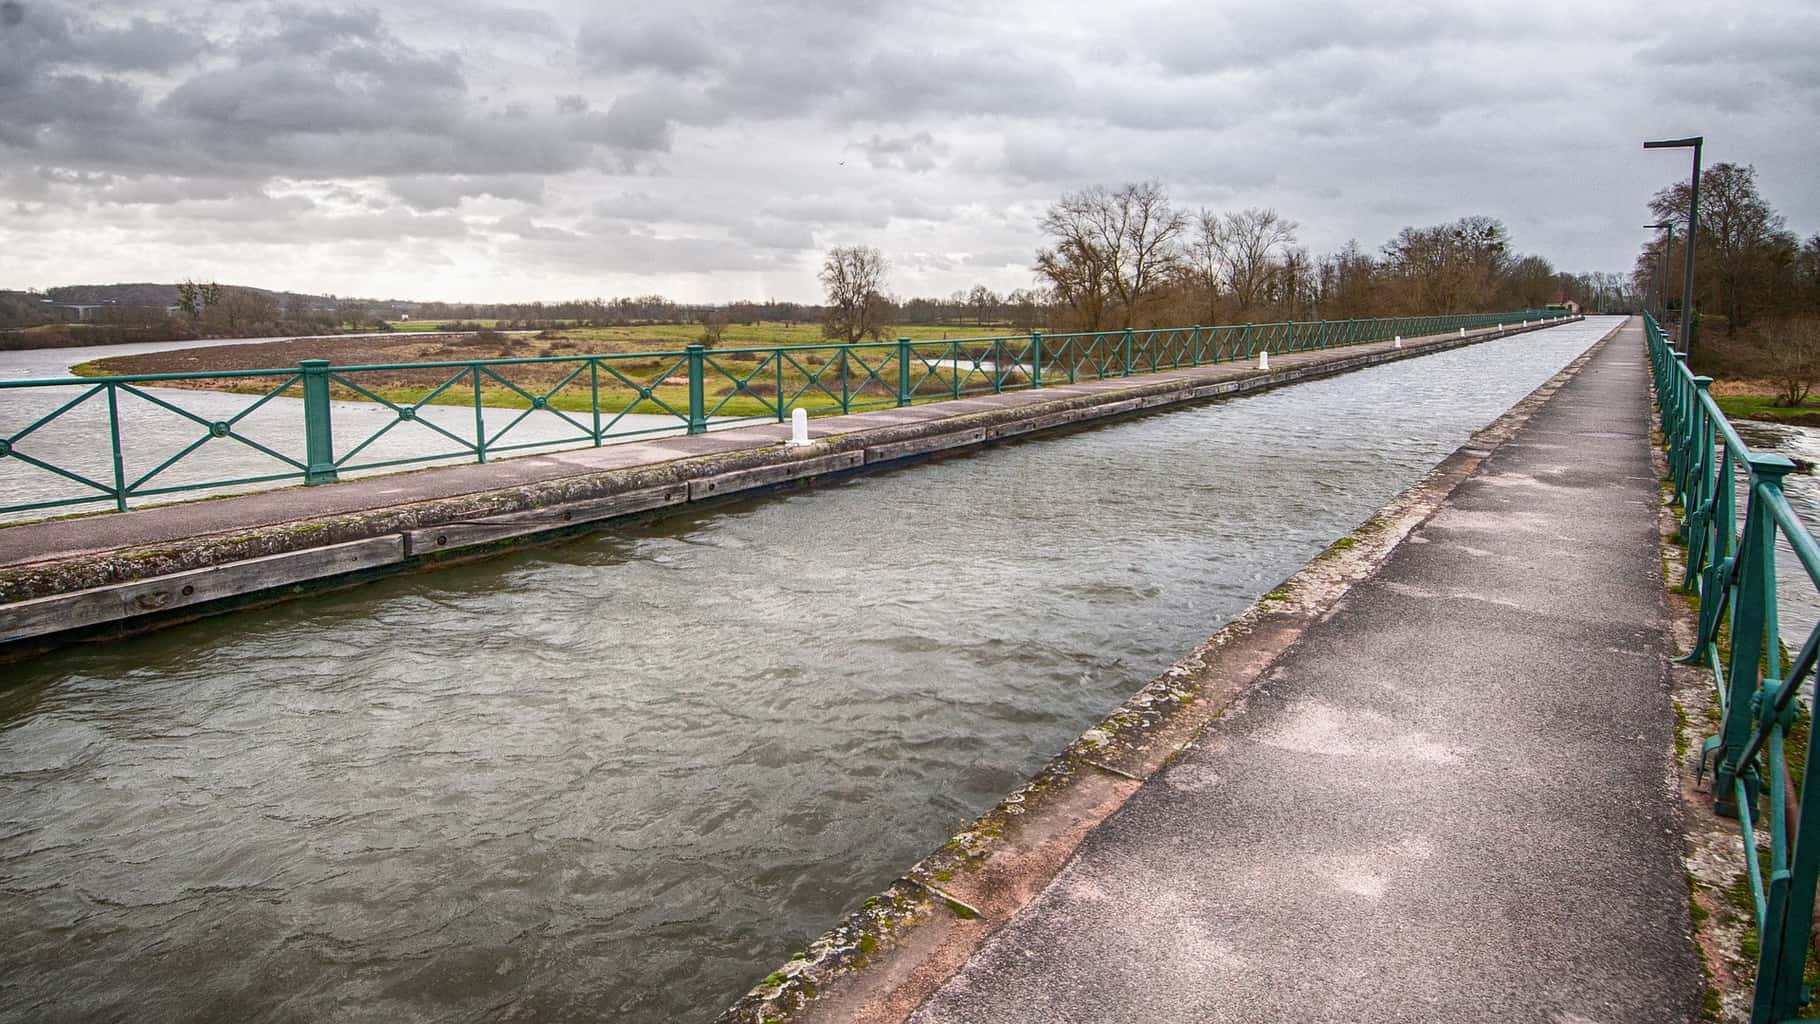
column 1693, row 232
column 1662, row 280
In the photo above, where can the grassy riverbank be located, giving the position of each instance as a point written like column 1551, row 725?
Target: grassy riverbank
column 1748, row 375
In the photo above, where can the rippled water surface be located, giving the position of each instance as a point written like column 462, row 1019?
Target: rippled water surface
column 626, row 776
column 1797, row 598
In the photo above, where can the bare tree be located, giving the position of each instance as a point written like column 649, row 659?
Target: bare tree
column 1024, row 306
column 1295, row 283
column 1113, row 249
column 1249, row 245
column 853, row 277
column 713, row 325
column 1795, row 357
column 984, row 302
column 1202, row 263
column 1742, row 242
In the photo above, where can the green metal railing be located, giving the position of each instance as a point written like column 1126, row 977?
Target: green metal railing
column 588, row 399
column 1731, row 565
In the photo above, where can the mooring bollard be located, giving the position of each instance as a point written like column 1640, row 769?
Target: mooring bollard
column 1264, row 360
column 1462, row 332
column 1399, row 341
column 799, row 428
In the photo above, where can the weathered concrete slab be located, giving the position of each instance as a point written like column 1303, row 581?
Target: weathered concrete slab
column 1447, row 801
column 38, row 617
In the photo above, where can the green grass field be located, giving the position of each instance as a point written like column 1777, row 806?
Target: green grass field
column 1762, row 407
column 422, row 326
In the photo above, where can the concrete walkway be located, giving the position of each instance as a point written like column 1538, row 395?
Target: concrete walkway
column 1450, row 801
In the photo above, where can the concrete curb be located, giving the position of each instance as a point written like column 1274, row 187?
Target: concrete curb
column 886, row 958
column 101, row 592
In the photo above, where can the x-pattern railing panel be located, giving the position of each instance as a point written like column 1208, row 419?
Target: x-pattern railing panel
column 361, row 419
column 1731, row 564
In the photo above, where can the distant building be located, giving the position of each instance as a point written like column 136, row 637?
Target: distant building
column 74, row 312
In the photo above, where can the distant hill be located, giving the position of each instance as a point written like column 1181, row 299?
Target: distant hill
column 149, row 294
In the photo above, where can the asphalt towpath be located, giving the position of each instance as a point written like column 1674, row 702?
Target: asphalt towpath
column 1449, row 801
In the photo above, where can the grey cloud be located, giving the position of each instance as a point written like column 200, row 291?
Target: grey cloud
column 640, row 121
column 523, row 226
column 958, row 124
column 772, row 233
column 828, row 210
column 1199, row 38
column 631, row 252
column 1040, row 157
column 918, row 152
column 434, row 192
column 304, row 93
column 671, row 44
column 637, row 206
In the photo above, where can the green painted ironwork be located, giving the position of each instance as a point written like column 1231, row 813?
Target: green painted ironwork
column 586, row 398
column 1731, row 565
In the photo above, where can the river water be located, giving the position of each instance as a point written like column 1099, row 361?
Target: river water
column 623, row 777
column 1797, row 598
column 78, row 440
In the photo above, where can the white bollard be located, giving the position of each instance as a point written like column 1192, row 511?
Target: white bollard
column 1500, row 327
column 1462, row 332
column 1399, row 341
column 1264, row 360
column 799, row 428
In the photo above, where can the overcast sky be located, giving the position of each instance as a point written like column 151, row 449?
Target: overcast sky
column 462, row 149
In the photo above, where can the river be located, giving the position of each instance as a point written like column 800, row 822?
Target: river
column 623, row 777
column 78, row 440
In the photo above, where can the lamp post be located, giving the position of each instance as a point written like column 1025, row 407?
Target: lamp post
column 1662, row 280
column 1693, row 228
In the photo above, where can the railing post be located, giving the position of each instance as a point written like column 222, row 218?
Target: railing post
column 1197, row 346
column 698, row 416
column 318, row 438
column 1036, row 359
column 1245, row 339
column 1785, row 935
column 594, row 390
column 1127, row 346
column 480, row 415
column 113, row 429
column 777, row 364
column 1697, row 505
column 846, row 388
column 903, row 372
column 1755, row 582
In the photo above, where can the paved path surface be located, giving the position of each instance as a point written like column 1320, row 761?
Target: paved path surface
column 1448, row 802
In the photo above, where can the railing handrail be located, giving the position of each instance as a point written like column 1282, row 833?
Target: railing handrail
column 822, row 378
column 1731, row 566
column 580, row 357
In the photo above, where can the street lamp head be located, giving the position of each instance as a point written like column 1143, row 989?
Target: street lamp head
column 1661, row 226
column 1690, row 142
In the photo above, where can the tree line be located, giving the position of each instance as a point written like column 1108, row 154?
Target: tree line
column 1756, row 294
column 1127, row 257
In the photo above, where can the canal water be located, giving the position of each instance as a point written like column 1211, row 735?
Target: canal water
column 624, row 777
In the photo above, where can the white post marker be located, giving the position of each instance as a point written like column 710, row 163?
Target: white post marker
column 799, row 428
column 1264, row 360
column 1399, row 341
column 1462, row 332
